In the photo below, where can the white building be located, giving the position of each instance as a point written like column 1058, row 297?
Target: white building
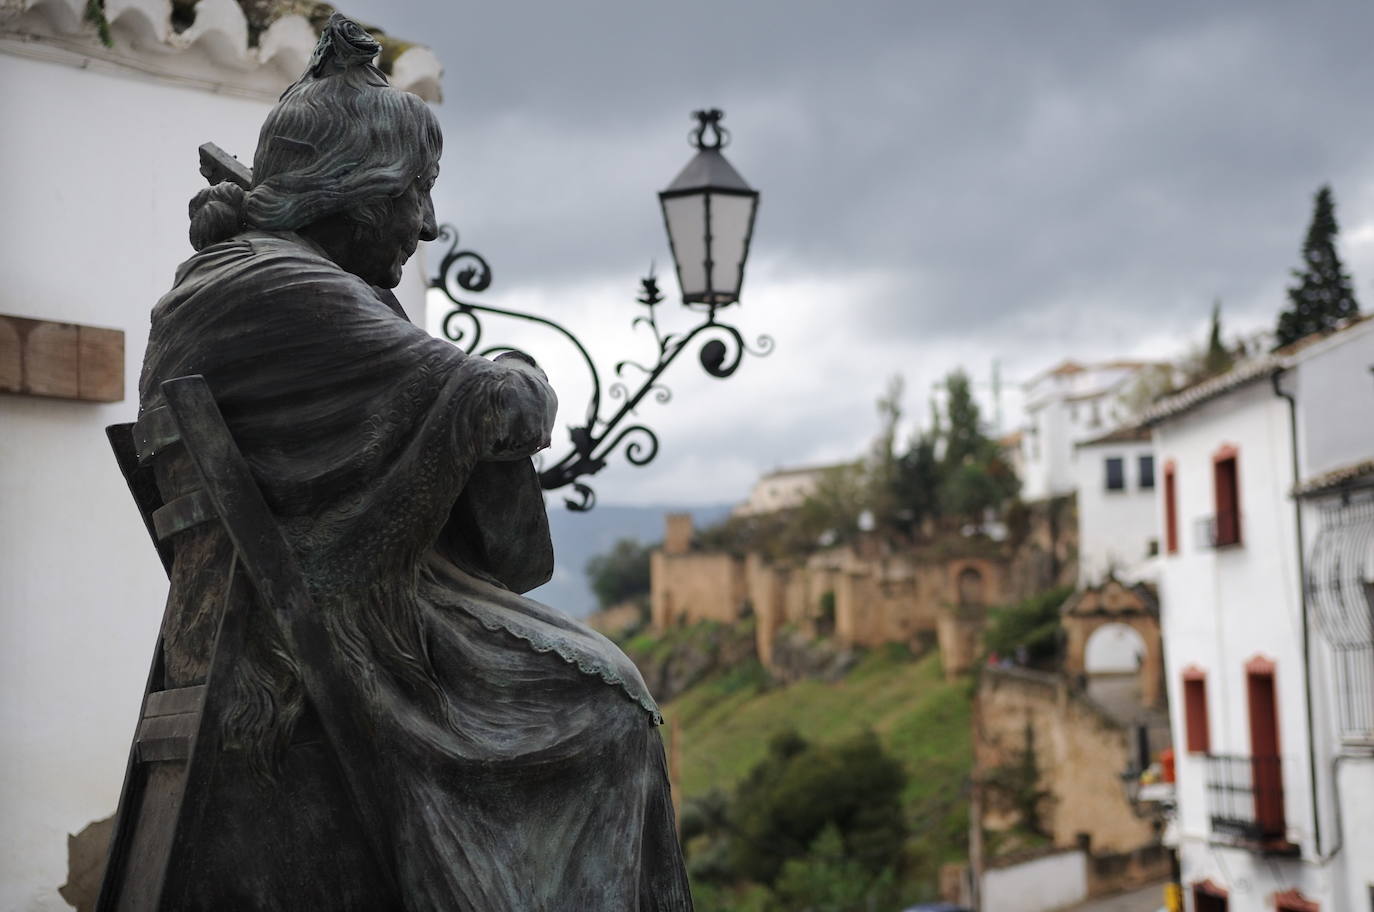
column 1118, row 529
column 1266, row 592
column 1064, row 406
column 783, row 489
column 97, row 162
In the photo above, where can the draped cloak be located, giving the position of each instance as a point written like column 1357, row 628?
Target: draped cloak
column 500, row 756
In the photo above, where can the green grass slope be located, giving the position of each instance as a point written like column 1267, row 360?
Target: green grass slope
column 723, row 725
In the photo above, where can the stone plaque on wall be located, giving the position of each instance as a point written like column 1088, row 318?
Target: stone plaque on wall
column 61, row 360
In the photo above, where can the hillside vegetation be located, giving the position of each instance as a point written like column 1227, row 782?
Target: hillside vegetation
column 724, row 723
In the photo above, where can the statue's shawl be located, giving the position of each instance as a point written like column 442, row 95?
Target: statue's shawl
column 367, row 435
column 484, row 762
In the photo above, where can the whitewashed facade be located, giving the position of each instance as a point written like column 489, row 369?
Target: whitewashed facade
column 97, row 162
column 1118, row 531
column 1274, row 762
column 783, row 489
column 1064, row 406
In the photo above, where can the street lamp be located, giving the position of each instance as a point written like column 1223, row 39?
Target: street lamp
column 709, row 214
column 708, row 211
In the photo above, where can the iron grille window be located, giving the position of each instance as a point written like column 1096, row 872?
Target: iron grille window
column 1340, row 588
column 1116, row 473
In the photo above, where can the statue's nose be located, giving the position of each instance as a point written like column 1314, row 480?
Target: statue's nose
column 429, row 231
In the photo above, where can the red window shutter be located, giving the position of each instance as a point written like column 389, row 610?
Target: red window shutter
column 1208, row 897
column 1195, row 711
column 1266, row 775
column 1226, row 492
column 1170, row 510
column 1294, row 901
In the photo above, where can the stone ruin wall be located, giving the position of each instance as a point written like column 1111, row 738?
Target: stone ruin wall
column 931, row 594
column 702, row 586
column 1079, row 749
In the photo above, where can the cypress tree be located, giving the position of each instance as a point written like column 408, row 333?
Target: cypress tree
column 1323, row 296
column 1217, row 359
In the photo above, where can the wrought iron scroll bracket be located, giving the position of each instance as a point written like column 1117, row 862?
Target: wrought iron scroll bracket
column 594, row 442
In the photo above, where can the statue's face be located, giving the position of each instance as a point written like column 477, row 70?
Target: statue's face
column 376, row 253
column 380, row 261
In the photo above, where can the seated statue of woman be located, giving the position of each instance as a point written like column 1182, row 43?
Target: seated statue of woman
column 502, row 757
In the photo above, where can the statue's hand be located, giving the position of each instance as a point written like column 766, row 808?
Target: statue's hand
column 523, row 358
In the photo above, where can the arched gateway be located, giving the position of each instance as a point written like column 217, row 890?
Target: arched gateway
column 1113, row 603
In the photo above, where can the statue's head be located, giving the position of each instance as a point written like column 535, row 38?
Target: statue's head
column 348, row 161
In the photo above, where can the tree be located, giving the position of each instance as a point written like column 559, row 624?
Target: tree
column 799, row 789
column 917, row 482
column 1218, row 358
column 951, row 469
column 621, row 574
column 1150, row 384
column 1029, row 628
column 883, row 461
column 828, row 880
column 830, row 513
column 973, row 475
column 1323, row 296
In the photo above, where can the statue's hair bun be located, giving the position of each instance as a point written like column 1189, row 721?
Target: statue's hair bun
column 216, row 214
column 343, row 45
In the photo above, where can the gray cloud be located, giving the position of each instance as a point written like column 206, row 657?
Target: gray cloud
column 942, row 183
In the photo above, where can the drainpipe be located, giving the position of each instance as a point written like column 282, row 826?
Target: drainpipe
column 1306, row 627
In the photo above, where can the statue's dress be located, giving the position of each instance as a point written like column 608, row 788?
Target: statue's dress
column 499, row 756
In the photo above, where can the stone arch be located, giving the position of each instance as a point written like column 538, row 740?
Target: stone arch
column 1112, row 603
column 1113, row 648
column 970, row 588
column 970, row 584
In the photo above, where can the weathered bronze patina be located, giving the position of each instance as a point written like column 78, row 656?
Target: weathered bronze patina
column 446, row 744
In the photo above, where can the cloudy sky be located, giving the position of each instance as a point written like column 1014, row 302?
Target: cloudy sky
column 943, row 185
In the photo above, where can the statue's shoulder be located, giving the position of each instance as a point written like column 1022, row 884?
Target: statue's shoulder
column 257, row 269
column 257, row 250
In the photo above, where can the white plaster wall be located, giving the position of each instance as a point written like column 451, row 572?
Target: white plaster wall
column 1355, row 862
column 1063, row 423
column 1059, row 441
column 1252, row 881
column 1114, row 527
column 95, row 172
column 1334, row 388
column 1051, row 882
column 1048, row 465
column 781, row 492
column 1035, row 465
column 1221, row 607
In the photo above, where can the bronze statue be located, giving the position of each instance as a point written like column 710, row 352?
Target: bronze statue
column 502, row 757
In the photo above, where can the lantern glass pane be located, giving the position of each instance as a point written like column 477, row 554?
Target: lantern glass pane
column 729, row 231
column 686, row 220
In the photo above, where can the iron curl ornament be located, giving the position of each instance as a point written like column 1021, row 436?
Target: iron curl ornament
column 603, row 431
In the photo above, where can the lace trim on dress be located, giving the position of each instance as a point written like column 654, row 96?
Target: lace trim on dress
column 574, row 656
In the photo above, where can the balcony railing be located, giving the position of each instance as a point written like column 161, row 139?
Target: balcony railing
column 1217, row 531
column 1245, row 796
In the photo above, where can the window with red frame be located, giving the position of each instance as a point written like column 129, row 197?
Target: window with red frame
column 1207, row 897
column 1196, row 733
column 1226, row 491
column 1294, row 901
column 1170, row 510
column 1266, row 775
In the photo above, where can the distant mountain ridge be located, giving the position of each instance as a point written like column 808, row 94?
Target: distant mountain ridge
column 578, row 537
